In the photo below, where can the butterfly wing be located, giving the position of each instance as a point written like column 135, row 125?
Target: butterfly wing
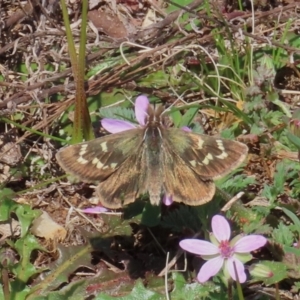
column 209, row 157
column 113, row 160
column 191, row 161
column 122, row 165
column 183, row 183
column 97, row 159
column 125, row 184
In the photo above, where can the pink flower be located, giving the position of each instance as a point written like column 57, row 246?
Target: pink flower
column 95, row 210
column 222, row 253
column 99, row 210
column 115, row 126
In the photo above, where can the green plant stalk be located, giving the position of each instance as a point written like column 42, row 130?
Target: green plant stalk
column 40, row 185
column 5, row 283
column 277, row 291
column 8, row 121
column 237, row 112
column 70, row 40
column 238, row 208
column 278, row 51
column 243, row 213
column 238, row 285
column 82, row 120
column 235, row 70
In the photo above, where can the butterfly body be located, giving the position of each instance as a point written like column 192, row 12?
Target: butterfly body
column 153, row 158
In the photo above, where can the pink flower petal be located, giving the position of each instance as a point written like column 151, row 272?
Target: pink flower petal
column 115, row 126
column 220, row 228
column 167, row 200
column 95, row 210
column 210, row 268
column 249, row 243
column 185, row 128
column 199, row 247
column 141, row 106
column 239, row 268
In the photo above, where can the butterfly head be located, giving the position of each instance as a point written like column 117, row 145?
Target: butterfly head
column 155, row 122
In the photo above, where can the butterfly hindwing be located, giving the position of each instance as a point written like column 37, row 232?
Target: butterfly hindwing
column 124, row 185
column 183, row 183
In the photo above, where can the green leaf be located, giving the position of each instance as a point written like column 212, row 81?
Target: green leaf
column 119, row 112
column 270, row 192
column 6, row 204
column 291, row 250
column 280, row 176
column 176, row 117
column 293, row 217
column 70, row 259
column 283, row 235
column 234, row 184
column 190, row 291
column 296, row 287
column 19, row 290
column 107, row 64
column 139, row 292
column 237, row 112
column 24, row 269
column 74, row 290
column 293, row 139
column 25, row 216
column 291, row 260
column 173, row 7
column 188, row 117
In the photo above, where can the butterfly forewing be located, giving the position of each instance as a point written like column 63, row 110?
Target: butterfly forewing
column 96, row 160
column 207, row 156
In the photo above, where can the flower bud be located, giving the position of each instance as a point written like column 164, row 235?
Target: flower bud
column 7, row 257
column 260, row 271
